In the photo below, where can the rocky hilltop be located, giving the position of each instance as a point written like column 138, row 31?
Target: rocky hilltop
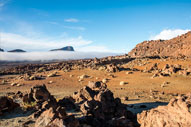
column 1, row 50
column 17, row 50
column 176, row 47
column 67, row 48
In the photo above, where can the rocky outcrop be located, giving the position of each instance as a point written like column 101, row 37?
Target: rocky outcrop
column 98, row 104
column 42, row 98
column 177, row 47
column 67, row 48
column 17, row 50
column 176, row 114
column 7, row 104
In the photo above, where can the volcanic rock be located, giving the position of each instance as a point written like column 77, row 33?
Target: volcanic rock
column 56, row 118
column 68, row 103
column 7, row 105
column 176, row 114
column 97, row 102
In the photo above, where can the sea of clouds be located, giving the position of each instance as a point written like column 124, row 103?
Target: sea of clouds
column 55, row 55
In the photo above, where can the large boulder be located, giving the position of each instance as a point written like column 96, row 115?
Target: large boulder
column 41, row 97
column 38, row 93
column 176, row 114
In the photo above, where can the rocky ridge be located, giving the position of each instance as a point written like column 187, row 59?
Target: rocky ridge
column 177, row 47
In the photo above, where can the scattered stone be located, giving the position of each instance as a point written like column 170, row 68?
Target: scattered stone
column 52, row 74
column 164, row 84
column 122, row 83
column 105, row 80
column 13, row 84
column 129, row 72
column 50, row 82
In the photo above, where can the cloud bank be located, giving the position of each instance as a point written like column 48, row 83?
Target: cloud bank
column 14, row 41
column 168, row 34
column 57, row 55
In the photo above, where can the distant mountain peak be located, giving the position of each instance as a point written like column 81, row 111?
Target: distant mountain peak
column 1, row 50
column 17, row 50
column 67, row 48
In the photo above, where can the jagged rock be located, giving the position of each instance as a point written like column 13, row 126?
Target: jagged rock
column 41, row 96
column 176, row 114
column 112, row 68
column 7, row 104
column 96, row 101
column 68, row 103
column 56, row 118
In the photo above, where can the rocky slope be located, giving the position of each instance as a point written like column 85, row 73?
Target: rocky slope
column 67, row 48
column 176, row 47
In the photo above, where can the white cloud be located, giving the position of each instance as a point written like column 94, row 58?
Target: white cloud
column 168, row 34
column 13, row 41
column 73, row 20
column 58, row 55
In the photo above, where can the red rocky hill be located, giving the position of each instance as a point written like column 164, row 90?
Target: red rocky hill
column 176, row 47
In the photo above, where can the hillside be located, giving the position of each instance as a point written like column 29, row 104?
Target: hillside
column 176, row 47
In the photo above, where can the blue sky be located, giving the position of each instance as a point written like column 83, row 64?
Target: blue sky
column 90, row 25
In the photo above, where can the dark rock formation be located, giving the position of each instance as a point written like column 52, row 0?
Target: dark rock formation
column 17, row 50
column 176, row 47
column 99, row 106
column 7, row 105
column 1, row 50
column 176, row 114
column 67, row 48
column 43, row 99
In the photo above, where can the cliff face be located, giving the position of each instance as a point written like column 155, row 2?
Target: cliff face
column 178, row 46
